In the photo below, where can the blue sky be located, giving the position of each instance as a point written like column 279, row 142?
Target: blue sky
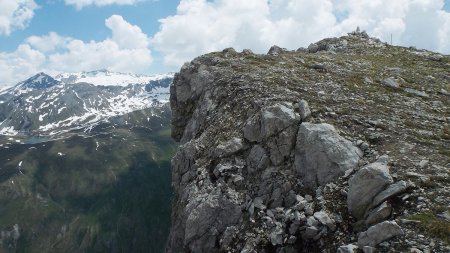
column 157, row 36
column 89, row 22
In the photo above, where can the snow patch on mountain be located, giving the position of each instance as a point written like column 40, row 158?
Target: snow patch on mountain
column 8, row 131
column 43, row 105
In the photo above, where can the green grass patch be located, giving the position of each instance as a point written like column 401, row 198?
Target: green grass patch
column 431, row 224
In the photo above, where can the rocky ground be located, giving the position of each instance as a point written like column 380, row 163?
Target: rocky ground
column 340, row 147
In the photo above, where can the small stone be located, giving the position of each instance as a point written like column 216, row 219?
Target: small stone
column 379, row 233
column 309, row 210
column 393, row 190
column 305, row 112
column 364, row 146
column 350, row 248
column 390, row 82
column 276, row 50
column 276, row 236
column 378, row 214
column 237, row 180
column 276, row 199
column 292, row 239
column 290, row 200
column 230, row 147
column 300, row 205
column 445, row 215
column 310, row 232
column 423, row 178
column 311, row 221
column 299, row 216
column 368, row 80
column 385, row 244
column 423, row 163
column 251, row 209
column 258, row 202
column 347, row 173
column 368, row 249
column 323, row 218
column 257, row 159
column 294, row 227
column 320, row 67
column 405, row 197
column 416, row 92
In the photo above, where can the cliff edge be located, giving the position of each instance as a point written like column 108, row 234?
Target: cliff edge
column 340, row 147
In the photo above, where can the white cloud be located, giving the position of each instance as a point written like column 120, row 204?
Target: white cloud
column 125, row 51
column 48, row 43
column 79, row 4
column 23, row 62
column 200, row 26
column 126, row 35
column 15, row 14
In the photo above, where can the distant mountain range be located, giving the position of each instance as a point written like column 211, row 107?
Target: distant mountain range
column 85, row 163
column 48, row 105
column 107, row 78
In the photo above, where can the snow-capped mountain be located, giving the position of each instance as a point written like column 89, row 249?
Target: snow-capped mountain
column 48, row 106
column 106, row 78
column 38, row 82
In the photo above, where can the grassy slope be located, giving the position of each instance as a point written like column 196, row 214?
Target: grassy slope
column 112, row 197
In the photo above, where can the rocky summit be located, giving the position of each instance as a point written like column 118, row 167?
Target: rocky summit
column 339, row 147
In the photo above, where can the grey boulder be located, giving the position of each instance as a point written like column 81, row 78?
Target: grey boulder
column 322, row 155
column 365, row 185
column 271, row 121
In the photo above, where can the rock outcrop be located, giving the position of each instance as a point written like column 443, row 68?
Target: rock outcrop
column 277, row 155
column 322, row 155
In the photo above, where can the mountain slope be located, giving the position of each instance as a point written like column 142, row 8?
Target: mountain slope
column 43, row 105
column 340, row 146
column 39, row 81
column 106, row 192
column 85, row 167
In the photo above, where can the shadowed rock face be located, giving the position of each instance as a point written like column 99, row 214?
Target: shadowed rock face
column 259, row 170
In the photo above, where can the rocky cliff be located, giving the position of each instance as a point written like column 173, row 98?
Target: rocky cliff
column 340, row 147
